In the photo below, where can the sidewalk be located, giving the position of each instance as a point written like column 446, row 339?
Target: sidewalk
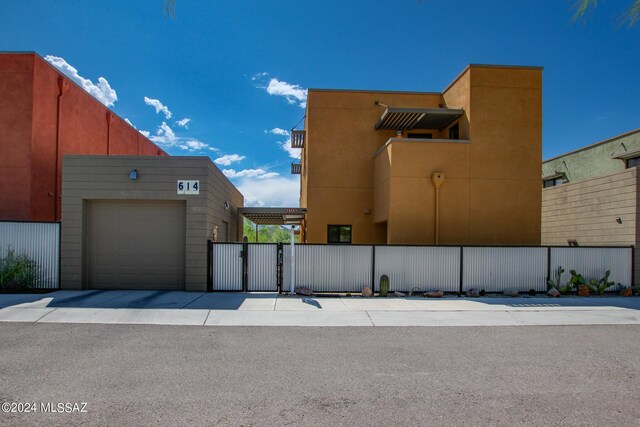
column 230, row 309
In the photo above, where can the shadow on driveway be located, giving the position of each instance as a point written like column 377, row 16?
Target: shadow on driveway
column 267, row 301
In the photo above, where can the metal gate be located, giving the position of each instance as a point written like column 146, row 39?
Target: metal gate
column 245, row 267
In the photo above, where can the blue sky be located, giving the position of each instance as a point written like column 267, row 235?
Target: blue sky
column 214, row 62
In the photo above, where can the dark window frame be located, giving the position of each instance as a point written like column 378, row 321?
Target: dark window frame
column 339, row 227
column 634, row 160
column 454, row 131
column 418, row 135
column 553, row 182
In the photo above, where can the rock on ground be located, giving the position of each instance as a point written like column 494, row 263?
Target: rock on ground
column 304, row 291
column 553, row 292
column 473, row 293
column 510, row 293
column 434, row 294
column 367, row 292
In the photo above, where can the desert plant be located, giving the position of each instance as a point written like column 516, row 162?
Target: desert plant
column 17, row 271
column 483, row 292
column 415, row 291
column 532, row 292
column 384, row 285
column 576, row 279
column 557, row 279
column 599, row 286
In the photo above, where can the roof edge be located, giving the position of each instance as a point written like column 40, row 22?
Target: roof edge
column 595, row 144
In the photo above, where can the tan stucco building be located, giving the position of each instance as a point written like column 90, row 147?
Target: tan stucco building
column 371, row 162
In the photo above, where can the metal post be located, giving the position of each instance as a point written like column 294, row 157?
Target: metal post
column 256, row 233
column 209, row 266
column 293, row 263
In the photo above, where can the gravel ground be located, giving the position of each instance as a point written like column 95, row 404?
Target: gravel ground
column 167, row 375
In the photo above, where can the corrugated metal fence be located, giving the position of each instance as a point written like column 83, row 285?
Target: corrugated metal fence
column 349, row 268
column 40, row 242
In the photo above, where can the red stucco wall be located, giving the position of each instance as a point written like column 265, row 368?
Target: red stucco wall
column 31, row 144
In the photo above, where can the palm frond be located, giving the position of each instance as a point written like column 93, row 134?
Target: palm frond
column 582, row 7
column 170, row 8
column 632, row 15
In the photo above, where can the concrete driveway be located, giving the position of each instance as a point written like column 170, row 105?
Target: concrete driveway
column 269, row 309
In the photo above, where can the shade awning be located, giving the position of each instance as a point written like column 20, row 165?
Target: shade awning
column 418, row 118
column 274, row 216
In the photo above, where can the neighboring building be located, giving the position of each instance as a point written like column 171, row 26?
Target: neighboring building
column 127, row 223
column 591, row 195
column 372, row 160
column 43, row 116
column 593, row 161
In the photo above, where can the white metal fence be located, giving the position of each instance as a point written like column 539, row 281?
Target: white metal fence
column 227, row 267
column 40, row 242
column 349, row 268
column 593, row 263
column 424, row 267
column 497, row 269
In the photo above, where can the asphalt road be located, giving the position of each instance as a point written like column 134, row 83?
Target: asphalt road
column 167, row 375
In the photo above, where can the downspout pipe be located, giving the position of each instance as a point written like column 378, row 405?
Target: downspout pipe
column 63, row 86
column 437, row 178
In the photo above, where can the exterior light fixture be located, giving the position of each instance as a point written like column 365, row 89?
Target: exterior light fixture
column 133, row 175
column 619, row 220
column 226, row 205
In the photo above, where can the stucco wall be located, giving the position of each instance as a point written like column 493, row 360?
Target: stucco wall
column 594, row 160
column 587, row 211
column 106, row 178
column 16, row 105
column 30, row 176
column 343, row 184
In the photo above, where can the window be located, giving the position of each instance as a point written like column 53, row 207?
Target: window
column 420, row 135
column 454, row 131
column 339, row 234
column 552, row 182
column 633, row 162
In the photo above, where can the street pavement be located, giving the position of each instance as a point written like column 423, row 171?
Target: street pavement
column 269, row 309
column 194, row 375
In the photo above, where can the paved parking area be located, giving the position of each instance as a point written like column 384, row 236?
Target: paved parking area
column 172, row 375
column 267, row 309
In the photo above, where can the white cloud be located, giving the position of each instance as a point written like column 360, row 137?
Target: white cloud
column 159, row 106
column 293, row 93
column 165, row 136
column 183, row 123
column 101, row 91
column 146, row 133
column 294, row 153
column 227, row 159
column 270, row 191
column 278, row 131
column 194, row 145
column 251, row 173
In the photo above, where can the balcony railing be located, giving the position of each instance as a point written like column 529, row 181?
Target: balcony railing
column 296, row 168
column 297, row 138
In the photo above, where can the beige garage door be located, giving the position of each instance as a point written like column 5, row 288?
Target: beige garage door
column 135, row 244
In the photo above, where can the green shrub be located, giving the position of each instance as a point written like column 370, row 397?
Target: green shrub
column 599, row 286
column 17, row 271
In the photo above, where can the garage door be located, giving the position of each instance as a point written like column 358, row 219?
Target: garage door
column 136, row 244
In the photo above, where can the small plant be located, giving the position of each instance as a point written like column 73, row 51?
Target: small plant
column 598, row 287
column 576, row 279
column 348, row 294
column 483, row 292
column 626, row 291
column 532, row 292
column 415, row 291
column 384, row 285
column 557, row 279
column 17, row 271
